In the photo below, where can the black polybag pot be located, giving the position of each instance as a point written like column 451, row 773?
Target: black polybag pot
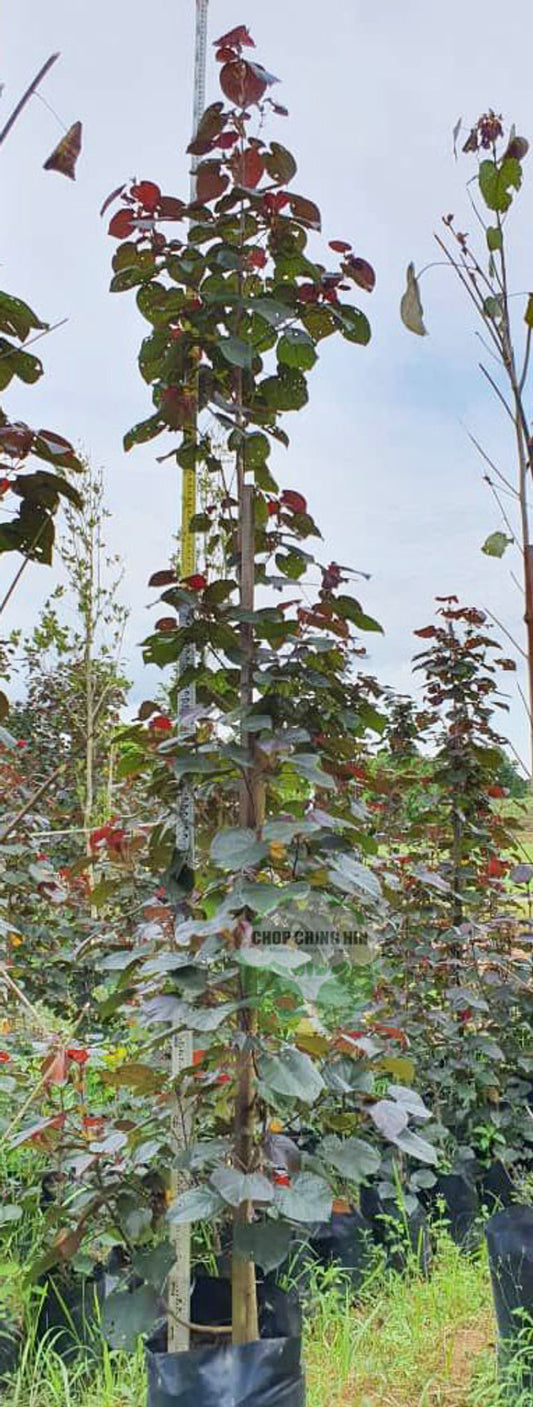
column 219, row 1374
column 497, row 1186
column 510, row 1245
column 400, row 1233
column 69, row 1312
column 347, row 1240
column 461, row 1203
column 10, row 1348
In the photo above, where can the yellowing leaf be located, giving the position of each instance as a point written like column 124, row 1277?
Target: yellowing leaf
column 400, row 1066
column 411, row 310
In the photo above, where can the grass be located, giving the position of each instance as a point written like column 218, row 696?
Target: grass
column 411, row 1342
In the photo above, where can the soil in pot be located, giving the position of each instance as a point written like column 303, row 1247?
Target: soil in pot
column 214, row 1373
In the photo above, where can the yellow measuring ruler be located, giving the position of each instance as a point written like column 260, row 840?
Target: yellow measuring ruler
column 179, row 1280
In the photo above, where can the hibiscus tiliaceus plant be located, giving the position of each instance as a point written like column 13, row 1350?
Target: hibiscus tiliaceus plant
column 238, row 307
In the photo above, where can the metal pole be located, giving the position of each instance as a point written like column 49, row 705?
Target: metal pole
column 182, row 1048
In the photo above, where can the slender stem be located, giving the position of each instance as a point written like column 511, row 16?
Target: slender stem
column 26, row 96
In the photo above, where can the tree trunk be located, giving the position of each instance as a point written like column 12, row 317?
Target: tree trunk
column 244, row 1298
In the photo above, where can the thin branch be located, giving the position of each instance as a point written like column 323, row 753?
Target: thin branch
column 506, row 632
column 43, row 333
column 26, row 96
column 22, row 568
column 497, row 392
column 525, row 702
column 33, row 800
column 9, row 981
column 522, row 380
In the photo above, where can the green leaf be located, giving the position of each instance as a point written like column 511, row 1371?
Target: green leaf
column 354, row 878
column 235, row 351
column 496, row 182
column 14, row 362
column 273, row 310
column 409, row 1100
column 307, row 765
column 9, row 1213
column 267, row 1243
column 128, row 1313
column 16, row 318
column 145, row 430
column 296, row 348
column 494, row 238
column 496, row 544
column 291, row 1073
column 308, row 1199
column 411, row 310
column 286, row 391
column 416, row 1146
column 237, row 849
column 528, row 315
column 196, row 1204
column 280, row 164
column 352, row 1157
column 154, row 1263
column 236, row 1187
column 355, row 327
column 273, row 957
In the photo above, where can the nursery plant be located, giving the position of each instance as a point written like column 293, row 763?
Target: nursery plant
column 484, row 262
column 239, row 302
column 456, row 973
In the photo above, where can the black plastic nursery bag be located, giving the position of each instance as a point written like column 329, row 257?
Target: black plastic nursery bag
column 510, row 1244
column 217, row 1374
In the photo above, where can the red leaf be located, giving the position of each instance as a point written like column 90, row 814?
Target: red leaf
column 275, row 201
column 165, row 623
column 226, row 140
column 295, row 501
column 78, row 1056
column 242, row 83
column 54, row 1070
column 4, row 1057
column 122, row 224
column 16, row 439
column 226, row 55
column 361, row 272
column 239, row 35
column 427, row 633
column 177, row 406
column 170, row 208
column 340, row 246
column 248, row 167
column 273, row 507
column 161, row 724
column 210, row 182
column 306, row 211
column 110, row 198
column 148, row 194
column 54, row 445
column 496, row 868
column 66, row 153
column 257, row 259
column 196, row 582
column 162, row 578
column 4, row 485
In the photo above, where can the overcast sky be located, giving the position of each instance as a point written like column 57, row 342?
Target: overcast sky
column 382, row 450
